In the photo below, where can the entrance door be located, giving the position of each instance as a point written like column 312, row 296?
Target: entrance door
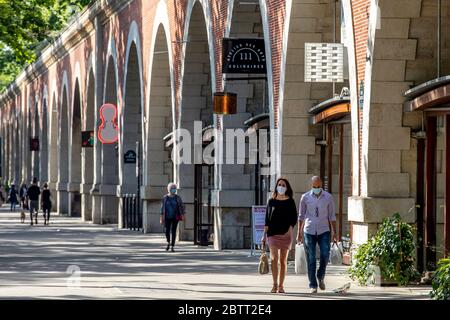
column 436, row 190
column 203, row 217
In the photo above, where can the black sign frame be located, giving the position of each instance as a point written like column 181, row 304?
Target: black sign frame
column 130, row 157
column 87, row 139
column 244, row 55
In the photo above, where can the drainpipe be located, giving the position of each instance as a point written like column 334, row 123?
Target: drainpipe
column 439, row 20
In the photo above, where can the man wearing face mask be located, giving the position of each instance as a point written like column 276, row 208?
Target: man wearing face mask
column 172, row 211
column 316, row 215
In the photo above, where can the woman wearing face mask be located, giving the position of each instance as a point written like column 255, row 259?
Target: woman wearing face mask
column 172, row 211
column 281, row 218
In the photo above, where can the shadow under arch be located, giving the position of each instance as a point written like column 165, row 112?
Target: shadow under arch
column 75, row 154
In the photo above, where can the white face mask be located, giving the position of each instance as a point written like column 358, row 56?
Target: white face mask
column 281, row 190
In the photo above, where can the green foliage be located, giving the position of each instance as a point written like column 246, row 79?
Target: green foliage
column 26, row 27
column 441, row 281
column 392, row 249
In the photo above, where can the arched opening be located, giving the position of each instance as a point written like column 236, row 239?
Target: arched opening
column 240, row 179
column 54, row 156
column 88, row 152
column 159, row 165
column 63, row 162
column 44, row 144
column 75, row 154
column 196, row 179
column 132, row 125
column 35, row 153
column 110, row 167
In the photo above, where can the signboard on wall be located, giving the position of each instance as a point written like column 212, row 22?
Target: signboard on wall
column 108, row 131
column 129, row 157
column 34, row 144
column 258, row 223
column 87, row 139
column 324, row 62
column 244, row 55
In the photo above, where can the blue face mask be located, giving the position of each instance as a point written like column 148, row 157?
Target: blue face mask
column 316, row 191
column 173, row 190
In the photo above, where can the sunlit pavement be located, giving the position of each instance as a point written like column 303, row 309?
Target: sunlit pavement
column 71, row 259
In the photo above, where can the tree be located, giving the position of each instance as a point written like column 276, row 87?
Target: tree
column 26, row 27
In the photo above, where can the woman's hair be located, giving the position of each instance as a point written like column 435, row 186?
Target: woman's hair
column 289, row 191
column 169, row 186
column 45, row 185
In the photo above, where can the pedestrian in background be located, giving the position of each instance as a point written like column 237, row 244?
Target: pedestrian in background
column 33, row 196
column 281, row 218
column 2, row 195
column 172, row 211
column 23, row 193
column 13, row 197
column 316, row 214
column 46, row 203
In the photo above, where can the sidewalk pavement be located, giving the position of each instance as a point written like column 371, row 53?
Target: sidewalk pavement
column 71, row 259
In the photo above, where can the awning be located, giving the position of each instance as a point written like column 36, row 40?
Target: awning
column 434, row 93
column 330, row 110
column 260, row 121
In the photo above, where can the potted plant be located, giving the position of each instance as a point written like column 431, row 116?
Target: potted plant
column 441, row 281
column 388, row 257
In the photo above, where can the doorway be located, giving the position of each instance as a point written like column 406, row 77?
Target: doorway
column 203, row 214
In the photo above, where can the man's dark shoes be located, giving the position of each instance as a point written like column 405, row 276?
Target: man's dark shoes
column 173, row 250
column 322, row 284
column 168, row 246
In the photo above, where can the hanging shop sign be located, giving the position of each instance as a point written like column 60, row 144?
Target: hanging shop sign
column 34, row 144
column 225, row 103
column 361, row 94
column 244, row 55
column 129, row 157
column 108, row 131
column 87, row 139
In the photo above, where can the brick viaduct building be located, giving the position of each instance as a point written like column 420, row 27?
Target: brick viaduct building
column 160, row 63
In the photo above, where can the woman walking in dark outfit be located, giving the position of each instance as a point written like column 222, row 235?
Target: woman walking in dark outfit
column 172, row 211
column 13, row 197
column 46, row 203
column 281, row 218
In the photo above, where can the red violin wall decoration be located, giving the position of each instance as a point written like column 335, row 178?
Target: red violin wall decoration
column 108, row 131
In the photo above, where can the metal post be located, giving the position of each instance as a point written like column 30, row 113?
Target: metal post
column 341, row 178
column 138, row 175
column 334, row 35
column 420, row 201
column 430, row 195
column 330, row 157
column 447, row 188
column 439, row 23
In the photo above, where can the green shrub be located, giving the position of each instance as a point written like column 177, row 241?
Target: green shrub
column 392, row 249
column 441, row 281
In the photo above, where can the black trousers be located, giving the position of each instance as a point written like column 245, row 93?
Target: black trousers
column 46, row 210
column 171, row 230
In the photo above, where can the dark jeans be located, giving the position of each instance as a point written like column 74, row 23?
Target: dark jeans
column 310, row 249
column 171, row 227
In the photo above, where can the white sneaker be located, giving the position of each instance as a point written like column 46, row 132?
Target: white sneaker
column 313, row 290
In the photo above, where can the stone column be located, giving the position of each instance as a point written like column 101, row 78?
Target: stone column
column 95, row 190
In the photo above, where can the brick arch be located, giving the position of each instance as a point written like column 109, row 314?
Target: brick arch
column 63, row 144
column 130, row 108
